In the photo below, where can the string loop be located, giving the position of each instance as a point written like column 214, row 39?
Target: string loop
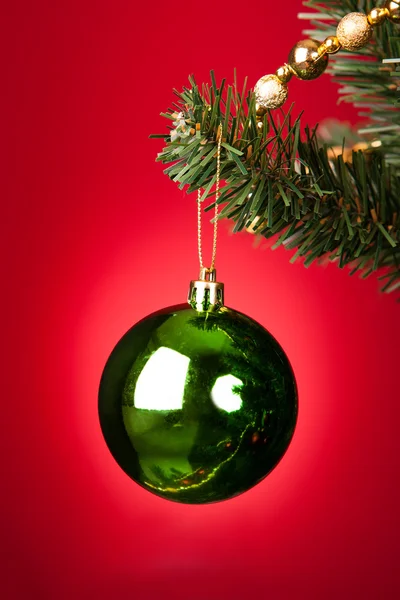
column 199, row 201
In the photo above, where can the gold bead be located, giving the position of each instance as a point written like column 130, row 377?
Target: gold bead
column 393, row 6
column 329, row 46
column 270, row 92
column 354, row 31
column 305, row 61
column 260, row 110
column 284, row 73
column 377, row 15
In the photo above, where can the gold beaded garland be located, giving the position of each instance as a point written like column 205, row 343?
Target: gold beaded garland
column 260, row 110
column 308, row 59
column 393, row 6
column 330, row 45
column 354, row 31
column 305, row 61
column 377, row 15
column 284, row 73
column 270, row 92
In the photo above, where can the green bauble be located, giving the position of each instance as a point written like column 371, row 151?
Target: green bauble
column 197, row 406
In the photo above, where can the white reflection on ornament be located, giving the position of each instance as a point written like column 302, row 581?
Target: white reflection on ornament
column 223, row 395
column 161, row 383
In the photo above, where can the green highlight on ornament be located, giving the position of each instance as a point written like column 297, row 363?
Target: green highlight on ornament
column 197, row 406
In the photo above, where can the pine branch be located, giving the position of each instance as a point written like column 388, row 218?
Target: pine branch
column 278, row 184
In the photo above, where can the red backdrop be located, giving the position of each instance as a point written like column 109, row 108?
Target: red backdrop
column 96, row 237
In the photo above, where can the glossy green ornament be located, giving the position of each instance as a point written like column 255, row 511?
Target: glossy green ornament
column 198, row 402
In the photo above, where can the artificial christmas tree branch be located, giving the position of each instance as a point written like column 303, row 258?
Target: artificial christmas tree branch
column 281, row 182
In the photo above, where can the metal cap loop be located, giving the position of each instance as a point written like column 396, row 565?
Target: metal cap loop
column 208, row 274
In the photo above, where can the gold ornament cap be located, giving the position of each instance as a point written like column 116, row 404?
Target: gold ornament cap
column 205, row 293
column 354, row 31
column 270, row 92
column 305, row 61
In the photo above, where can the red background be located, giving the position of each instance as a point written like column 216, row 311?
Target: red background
column 95, row 237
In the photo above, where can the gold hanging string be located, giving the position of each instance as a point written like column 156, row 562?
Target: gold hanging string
column 214, row 249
